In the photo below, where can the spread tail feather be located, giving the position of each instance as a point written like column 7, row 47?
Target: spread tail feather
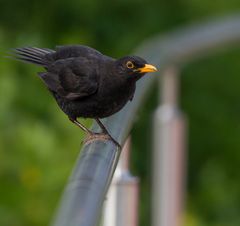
column 32, row 55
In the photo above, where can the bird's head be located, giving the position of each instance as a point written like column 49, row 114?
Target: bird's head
column 134, row 66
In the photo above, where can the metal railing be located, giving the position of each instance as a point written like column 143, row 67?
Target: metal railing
column 85, row 193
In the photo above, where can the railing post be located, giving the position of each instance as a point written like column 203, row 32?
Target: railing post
column 169, row 154
column 121, row 206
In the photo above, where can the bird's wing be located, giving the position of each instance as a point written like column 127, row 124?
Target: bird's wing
column 64, row 52
column 72, row 78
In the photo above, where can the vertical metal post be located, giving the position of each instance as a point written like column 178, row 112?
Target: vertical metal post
column 121, row 206
column 169, row 154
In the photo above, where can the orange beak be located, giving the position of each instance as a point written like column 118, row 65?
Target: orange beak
column 147, row 68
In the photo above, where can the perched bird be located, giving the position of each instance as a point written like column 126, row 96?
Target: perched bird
column 85, row 83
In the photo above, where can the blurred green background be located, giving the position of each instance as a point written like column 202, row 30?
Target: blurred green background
column 39, row 146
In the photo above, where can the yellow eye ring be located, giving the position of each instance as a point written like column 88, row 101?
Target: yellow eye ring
column 130, row 64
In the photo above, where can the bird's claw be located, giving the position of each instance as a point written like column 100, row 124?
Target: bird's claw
column 91, row 137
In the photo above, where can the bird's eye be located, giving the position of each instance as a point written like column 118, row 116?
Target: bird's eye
column 129, row 64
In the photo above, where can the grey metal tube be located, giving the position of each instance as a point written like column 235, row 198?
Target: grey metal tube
column 88, row 185
column 169, row 154
column 82, row 192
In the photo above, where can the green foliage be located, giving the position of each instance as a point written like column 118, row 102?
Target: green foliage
column 213, row 108
column 38, row 146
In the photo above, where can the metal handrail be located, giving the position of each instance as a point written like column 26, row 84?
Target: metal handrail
column 85, row 193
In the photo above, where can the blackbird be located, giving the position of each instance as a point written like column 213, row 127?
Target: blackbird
column 85, row 83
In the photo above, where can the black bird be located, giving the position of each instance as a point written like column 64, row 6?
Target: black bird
column 86, row 83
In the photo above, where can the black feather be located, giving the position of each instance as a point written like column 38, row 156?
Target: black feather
column 32, row 55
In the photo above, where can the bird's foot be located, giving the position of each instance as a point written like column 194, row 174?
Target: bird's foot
column 100, row 136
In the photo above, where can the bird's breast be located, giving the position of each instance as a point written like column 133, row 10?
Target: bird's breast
column 113, row 98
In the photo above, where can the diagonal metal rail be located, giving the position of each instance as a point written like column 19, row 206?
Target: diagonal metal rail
column 86, row 190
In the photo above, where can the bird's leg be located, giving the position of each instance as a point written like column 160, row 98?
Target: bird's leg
column 81, row 126
column 91, row 135
column 106, row 132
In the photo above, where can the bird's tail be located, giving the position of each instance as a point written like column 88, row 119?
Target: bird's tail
column 32, row 55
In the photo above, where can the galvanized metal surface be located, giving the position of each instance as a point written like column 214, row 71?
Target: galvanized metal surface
column 85, row 193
